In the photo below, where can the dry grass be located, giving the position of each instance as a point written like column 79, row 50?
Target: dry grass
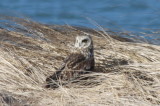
column 127, row 73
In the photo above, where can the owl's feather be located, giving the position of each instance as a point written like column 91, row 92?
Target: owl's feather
column 72, row 67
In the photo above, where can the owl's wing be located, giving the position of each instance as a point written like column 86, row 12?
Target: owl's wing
column 70, row 63
column 73, row 66
column 73, row 61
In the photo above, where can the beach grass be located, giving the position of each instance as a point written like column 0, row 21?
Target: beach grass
column 126, row 72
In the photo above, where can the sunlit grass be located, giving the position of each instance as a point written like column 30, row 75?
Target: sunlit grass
column 126, row 73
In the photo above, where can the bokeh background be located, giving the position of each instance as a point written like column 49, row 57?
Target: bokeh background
column 137, row 16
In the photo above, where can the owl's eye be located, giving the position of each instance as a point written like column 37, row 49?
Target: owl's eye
column 85, row 41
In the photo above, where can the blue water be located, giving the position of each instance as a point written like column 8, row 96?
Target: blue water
column 126, row 15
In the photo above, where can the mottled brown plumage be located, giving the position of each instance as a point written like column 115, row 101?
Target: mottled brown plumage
column 77, row 63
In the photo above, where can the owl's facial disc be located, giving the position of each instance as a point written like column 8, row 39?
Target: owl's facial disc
column 82, row 42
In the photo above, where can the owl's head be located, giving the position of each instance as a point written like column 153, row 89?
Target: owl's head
column 83, row 42
column 84, row 45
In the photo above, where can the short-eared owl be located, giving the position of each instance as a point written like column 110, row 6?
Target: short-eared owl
column 78, row 62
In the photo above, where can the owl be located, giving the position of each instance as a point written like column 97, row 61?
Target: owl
column 80, row 61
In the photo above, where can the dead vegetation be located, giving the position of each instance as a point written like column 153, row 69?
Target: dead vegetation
column 127, row 73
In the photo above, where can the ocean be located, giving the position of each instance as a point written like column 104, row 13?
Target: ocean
column 140, row 17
